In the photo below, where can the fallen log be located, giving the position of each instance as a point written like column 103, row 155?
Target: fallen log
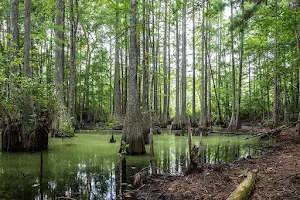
column 276, row 131
column 244, row 189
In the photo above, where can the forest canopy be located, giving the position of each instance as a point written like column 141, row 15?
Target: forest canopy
column 65, row 65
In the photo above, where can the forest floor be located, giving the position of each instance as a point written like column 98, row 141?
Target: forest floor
column 278, row 176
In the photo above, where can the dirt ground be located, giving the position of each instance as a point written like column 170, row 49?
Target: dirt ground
column 278, row 176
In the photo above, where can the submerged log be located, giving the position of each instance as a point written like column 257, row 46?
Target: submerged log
column 244, row 189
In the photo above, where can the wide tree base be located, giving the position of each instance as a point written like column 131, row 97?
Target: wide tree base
column 176, row 126
column 14, row 139
column 133, row 136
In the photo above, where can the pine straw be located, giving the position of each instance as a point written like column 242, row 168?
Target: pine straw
column 278, row 177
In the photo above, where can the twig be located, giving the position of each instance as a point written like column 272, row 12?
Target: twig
column 141, row 187
column 20, row 171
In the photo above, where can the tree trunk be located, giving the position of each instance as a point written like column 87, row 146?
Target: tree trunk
column 153, row 84
column 184, row 118
column 203, row 116
column 61, row 119
column 276, row 74
column 233, row 111
column 27, row 41
column 28, row 107
column 165, row 96
column 157, row 85
column 73, row 30
column 194, row 123
column 59, row 52
column 124, row 101
column 218, row 92
column 117, row 91
column 110, row 78
column 132, row 130
column 237, row 119
column 169, row 67
column 145, row 63
column 294, row 4
column 208, row 75
column 176, row 123
column 14, row 28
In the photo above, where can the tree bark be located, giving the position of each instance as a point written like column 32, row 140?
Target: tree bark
column 61, row 118
column 117, row 91
column 153, row 84
column 124, row 101
column 176, row 123
column 233, row 109
column 132, row 130
column 193, row 123
column 294, row 4
column 184, row 118
column 73, row 30
column 298, row 63
column 145, row 63
column 59, row 51
column 218, row 92
column 276, row 74
column 165, row 95
column 27, row 41
column 245, row 188
column 203, row 116
column 207, row 74
column 169, row 66
column 14, row 28
column 237, row 119
column 157, row 85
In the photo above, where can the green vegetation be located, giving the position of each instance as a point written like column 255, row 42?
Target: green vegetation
column 141, row 65
column 90, row 65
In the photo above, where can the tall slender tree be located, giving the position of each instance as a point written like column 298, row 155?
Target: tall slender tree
column 27, row 41
column 72, row 82
column 237, row 119
column 145, row 63
column 176, row 123
column 117, row 90
column 276, row 74
column 233, row 100
column 132, row 130
column 61, row 117
column 203, row 116
column 194, row 68
column 294, row 5
column 14, row 29
column 184, row 119
column 165, row 95
column 59, row 51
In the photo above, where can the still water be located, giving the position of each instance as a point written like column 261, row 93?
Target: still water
column 86, row 167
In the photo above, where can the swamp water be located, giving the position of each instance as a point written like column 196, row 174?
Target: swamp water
column 86, row 167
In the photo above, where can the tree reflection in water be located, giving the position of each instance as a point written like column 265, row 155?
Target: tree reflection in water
column 87, row 168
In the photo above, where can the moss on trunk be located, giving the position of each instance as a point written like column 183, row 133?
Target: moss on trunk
column 244, row 189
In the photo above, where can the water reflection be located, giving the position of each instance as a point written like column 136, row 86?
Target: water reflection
column 88, row 166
